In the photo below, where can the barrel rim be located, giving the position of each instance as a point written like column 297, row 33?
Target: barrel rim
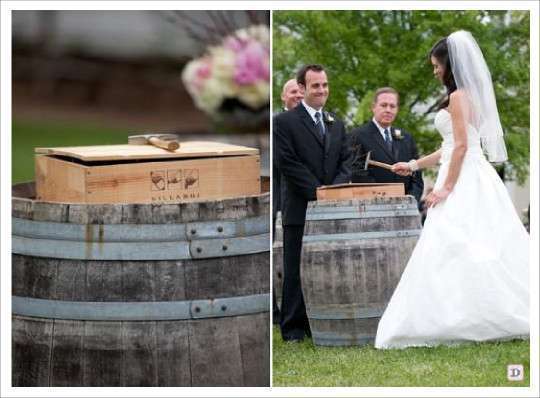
column 136, row 213
column 361, row 201
column 138, row 204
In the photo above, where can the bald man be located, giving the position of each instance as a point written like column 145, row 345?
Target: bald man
column 291, row 95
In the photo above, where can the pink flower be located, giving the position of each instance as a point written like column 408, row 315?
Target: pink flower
column 233, row 43
column 204, row 70
column 238, row 68
column 252, row 63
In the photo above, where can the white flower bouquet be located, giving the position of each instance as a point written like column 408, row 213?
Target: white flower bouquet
column 234, row 74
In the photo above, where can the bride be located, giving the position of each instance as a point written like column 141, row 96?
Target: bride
column 468, row 276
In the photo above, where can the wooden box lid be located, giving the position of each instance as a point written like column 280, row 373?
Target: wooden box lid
column 359, row 190
column 188, row 149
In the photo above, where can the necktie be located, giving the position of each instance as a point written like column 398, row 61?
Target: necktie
column 388, row 139
column 320, row 124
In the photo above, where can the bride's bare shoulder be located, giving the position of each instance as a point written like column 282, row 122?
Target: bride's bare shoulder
column 458, row 98
column 457, row 95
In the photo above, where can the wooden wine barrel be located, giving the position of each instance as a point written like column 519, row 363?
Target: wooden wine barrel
column 140, row 294
column 353, row 255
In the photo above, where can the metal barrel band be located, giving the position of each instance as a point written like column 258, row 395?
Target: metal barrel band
column 318, row 208
column 140, row 311
column 183, row 250
column 208, row 248
column 361, row 235
column 140, row 232
column 347, row 215
column 340, row 339
column 344, row 312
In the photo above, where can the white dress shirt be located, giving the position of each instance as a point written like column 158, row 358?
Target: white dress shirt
column 312, row 112
column 381, row 130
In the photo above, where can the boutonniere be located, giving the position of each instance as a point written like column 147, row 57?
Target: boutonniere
column 328, row 118
column 397, row 134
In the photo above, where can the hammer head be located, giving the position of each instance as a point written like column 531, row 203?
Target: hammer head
column 368, row 158
column 142, row 139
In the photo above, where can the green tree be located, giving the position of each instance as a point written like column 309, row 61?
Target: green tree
column 364, row 50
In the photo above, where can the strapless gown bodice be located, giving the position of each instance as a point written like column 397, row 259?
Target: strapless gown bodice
column 443, row 124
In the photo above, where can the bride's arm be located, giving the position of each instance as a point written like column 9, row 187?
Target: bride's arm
column 406, row 168
column 457, row 108
column 429, row 160
column 460, row 146
column 459, row 129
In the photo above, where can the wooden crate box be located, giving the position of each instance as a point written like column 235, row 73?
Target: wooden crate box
column 146, row 174
column 359, row 191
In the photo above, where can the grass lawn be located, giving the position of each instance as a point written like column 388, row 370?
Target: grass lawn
column 27, row 135
column 467, row 365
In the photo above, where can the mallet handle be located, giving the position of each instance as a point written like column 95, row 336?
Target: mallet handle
column 380, row 164
column 165, row 144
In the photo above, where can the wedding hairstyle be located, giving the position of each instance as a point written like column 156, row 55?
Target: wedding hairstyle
column 440, row 53
column 384, row 90
column 301, row 75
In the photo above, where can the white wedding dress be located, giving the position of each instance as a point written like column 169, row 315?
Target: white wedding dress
column 468, row 276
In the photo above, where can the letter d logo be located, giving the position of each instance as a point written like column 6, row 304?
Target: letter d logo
column 515, row 372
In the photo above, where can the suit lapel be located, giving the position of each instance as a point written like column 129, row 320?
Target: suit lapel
column 379, row 140
column 308, row 122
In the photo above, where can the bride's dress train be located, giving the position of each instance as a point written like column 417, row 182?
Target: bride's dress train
column 468, row 276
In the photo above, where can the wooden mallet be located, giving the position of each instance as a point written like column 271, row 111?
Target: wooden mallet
column 164, row 141
column 375, row 163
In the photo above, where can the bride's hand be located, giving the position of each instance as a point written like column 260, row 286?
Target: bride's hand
column 436, row 197
column 402, row 169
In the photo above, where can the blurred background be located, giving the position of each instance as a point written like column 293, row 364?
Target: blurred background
column 365, row 50
column 95, row 77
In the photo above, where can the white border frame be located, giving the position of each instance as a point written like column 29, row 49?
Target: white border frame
column 5, row 136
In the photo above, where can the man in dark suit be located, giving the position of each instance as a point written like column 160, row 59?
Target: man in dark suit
column 291, row 95
column 386, row 143
column 313, row 151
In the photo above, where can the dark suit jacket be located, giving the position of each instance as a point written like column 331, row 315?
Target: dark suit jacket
column 369, row 138
column 276, row 174
column 306, row 161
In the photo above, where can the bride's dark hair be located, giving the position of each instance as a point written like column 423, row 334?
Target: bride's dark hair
column 440, row 53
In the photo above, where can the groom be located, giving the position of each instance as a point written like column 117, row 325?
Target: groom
column 386, row 143
column 313, row 151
